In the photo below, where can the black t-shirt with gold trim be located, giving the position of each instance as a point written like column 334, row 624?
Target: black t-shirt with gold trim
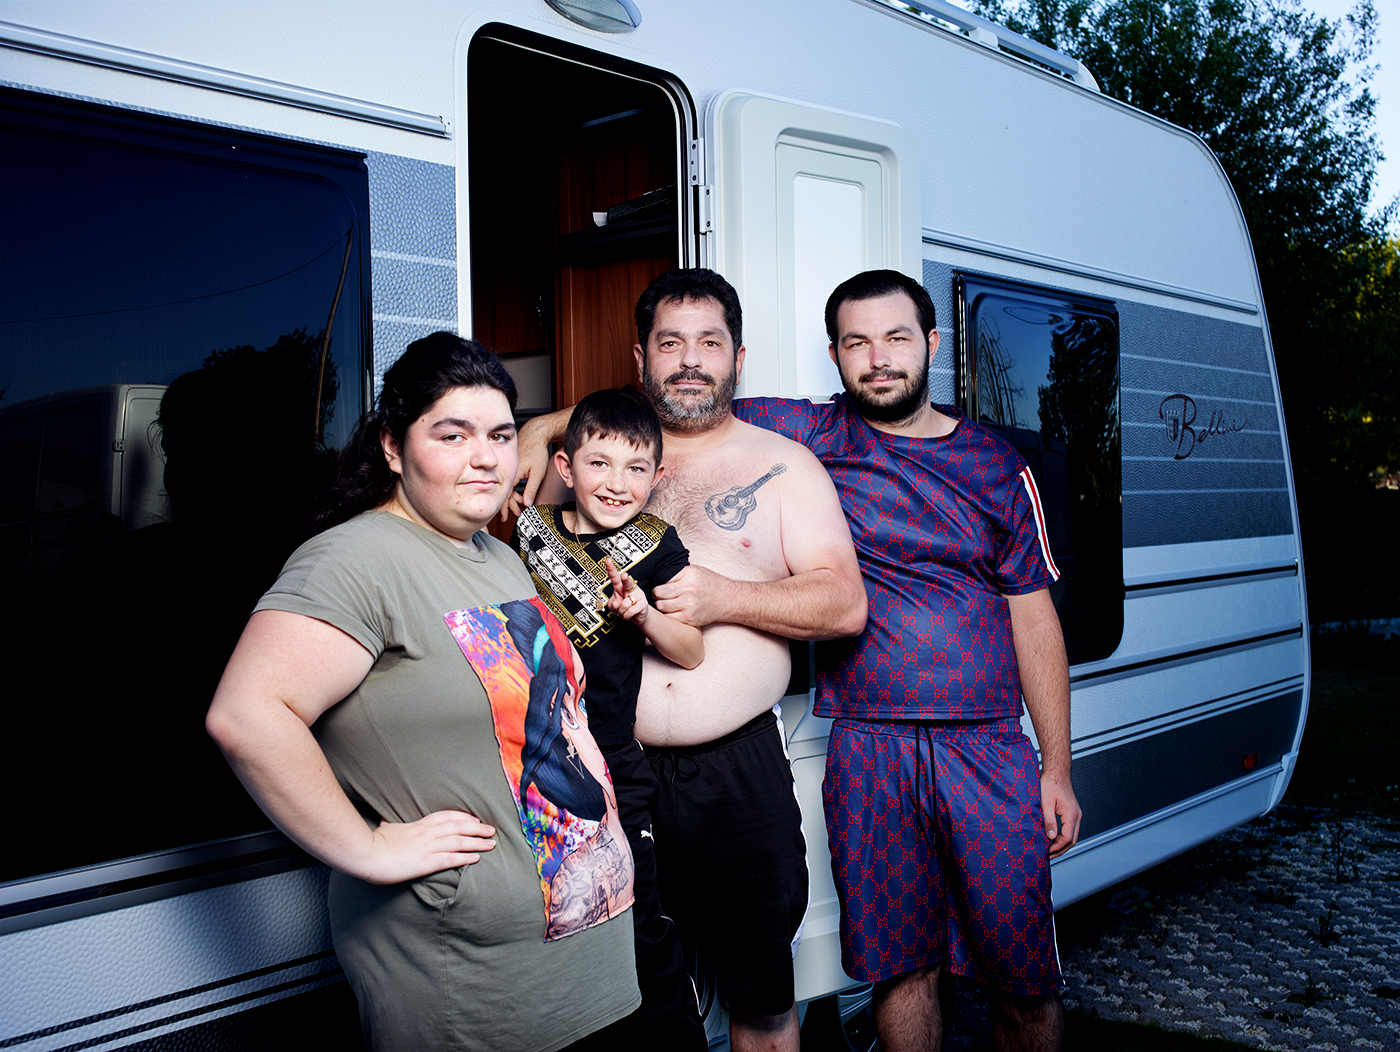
column 568, row 572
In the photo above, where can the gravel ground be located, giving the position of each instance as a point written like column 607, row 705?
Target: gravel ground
column 1283, row 934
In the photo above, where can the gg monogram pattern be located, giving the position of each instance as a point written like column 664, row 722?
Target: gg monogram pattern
column 937, row 842
column 938, row 852
column 945, row 528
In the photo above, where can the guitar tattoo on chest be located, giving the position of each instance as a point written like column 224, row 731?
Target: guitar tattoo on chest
column 729, row 510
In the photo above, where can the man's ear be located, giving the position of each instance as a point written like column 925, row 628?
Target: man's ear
column 565, row 469
column 831, row 350
column 739, row 363
column 392, row 455
column 641, row 357
column 932, row 343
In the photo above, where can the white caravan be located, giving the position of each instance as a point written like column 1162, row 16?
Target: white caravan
column 259, row 204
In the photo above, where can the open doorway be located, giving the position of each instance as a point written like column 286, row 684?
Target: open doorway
column 578, row 189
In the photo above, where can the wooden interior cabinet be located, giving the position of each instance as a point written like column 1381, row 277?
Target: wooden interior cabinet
column 552, row 142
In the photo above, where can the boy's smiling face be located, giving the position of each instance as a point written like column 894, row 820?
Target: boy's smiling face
column 612, row 480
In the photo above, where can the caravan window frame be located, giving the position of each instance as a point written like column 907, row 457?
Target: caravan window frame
column 1090, row 595
column 240, row 159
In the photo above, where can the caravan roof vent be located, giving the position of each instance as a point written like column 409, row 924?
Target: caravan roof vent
column 606, row 16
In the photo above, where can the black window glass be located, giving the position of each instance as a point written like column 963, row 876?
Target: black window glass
column 170, row 400
column 1040, row 367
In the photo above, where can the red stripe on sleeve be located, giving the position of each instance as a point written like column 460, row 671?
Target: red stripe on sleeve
column 1039, row 512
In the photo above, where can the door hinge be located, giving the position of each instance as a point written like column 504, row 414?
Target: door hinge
column 704, row 213
column 695, row 163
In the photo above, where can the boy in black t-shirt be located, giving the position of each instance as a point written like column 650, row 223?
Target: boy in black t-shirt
column 577, row 553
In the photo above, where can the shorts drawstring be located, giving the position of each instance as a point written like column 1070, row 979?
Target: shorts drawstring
column 659, row 758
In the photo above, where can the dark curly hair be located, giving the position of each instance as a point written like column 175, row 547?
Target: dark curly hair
column 428, row 369
column 677, row 286
column 871, row 285
column 622, row 412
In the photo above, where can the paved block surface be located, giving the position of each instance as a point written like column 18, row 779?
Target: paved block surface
column 1283, row 934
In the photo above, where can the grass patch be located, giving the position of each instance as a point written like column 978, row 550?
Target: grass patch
column 1089, row 1033
column 1349, row 760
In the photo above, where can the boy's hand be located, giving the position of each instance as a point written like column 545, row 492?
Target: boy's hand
column 628, row 601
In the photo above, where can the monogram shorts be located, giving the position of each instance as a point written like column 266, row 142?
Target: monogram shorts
column 939, row 852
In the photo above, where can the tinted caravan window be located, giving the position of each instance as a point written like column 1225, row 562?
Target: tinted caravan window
column 1041, row 367
column 165, row 416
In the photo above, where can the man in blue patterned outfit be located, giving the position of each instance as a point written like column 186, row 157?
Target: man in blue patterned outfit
column 940, row 830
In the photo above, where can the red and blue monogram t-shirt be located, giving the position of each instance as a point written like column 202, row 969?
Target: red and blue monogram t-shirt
column 945, row 528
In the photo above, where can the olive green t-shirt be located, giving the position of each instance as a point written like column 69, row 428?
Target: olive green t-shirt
column 464, row 958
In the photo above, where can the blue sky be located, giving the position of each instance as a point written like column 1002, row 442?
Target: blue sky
column 1385, row 85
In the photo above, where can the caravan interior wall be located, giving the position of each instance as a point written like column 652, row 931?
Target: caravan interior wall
column 228, row 218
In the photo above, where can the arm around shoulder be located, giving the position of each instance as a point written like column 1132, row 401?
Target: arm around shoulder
column 533, row 441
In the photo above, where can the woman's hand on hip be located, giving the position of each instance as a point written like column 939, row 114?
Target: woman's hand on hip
column 402, row 851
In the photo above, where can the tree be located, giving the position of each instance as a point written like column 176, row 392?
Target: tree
column 287, row 373
column 1078, row 403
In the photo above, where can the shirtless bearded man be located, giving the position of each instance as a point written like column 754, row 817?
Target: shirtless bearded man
column 771, row 557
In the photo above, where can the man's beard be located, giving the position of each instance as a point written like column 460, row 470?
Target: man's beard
column 688, row 414
column 890, row 405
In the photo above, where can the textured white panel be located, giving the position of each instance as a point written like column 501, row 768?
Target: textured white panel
column 74, row 969
column 413, row 235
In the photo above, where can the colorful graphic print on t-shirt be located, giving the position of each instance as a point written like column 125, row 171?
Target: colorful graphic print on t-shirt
column 556, row 773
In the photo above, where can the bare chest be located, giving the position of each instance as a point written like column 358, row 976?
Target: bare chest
column 728, row 514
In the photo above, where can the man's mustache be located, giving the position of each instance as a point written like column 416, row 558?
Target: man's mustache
column 884, row 374
column 684, row 375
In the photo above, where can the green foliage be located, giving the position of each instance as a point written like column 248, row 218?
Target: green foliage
column 1353, row 318
column 1262, row 83
column 1266, row 85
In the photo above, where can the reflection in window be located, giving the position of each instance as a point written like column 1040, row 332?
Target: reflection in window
column 1041, row 368
column 182, row 350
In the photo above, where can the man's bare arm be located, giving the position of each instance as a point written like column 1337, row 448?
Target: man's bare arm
column 1040, row 653
column 817, row 604
column 533, row 441
column 825, row 596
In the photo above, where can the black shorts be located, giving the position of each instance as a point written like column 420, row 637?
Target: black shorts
column 733, row 862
